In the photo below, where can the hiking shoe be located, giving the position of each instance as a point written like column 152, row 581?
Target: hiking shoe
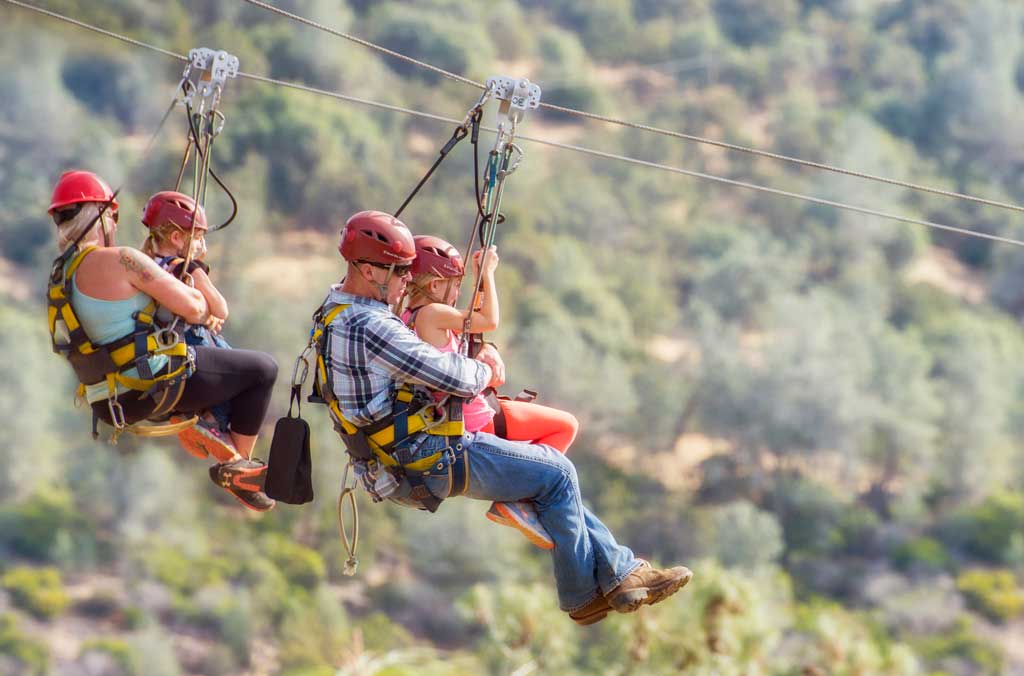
column 646, row 586
column 595, row 611
column 205, row 439
column 523, row 517
column 243, row 478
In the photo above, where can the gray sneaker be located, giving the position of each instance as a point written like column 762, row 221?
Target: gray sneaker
column 646, row 586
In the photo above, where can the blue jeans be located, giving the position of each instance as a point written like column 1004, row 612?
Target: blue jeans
column 587, row 560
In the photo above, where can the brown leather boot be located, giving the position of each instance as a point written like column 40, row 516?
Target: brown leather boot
column 646, row 586
column 595, row 611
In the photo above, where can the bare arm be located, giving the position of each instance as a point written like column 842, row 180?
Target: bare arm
column 214, row 299
column 441, row 317
column 145, row 275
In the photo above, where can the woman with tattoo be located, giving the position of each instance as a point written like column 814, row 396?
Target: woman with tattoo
column 113, row 283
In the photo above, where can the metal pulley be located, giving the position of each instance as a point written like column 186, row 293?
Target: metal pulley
column 207, row 73
column 516, row 97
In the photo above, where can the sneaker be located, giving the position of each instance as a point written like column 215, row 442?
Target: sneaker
column 595, row 611
column 205, row 439
column 523, row 517
column 494, row 515
column 243, row 478
column 646, row 586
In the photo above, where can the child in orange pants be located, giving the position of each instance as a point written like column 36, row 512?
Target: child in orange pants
column 437, row 274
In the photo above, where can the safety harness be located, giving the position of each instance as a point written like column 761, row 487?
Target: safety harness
column 94, row 364
column 380, row 444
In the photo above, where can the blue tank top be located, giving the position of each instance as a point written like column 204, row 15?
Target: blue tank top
column 105, row 321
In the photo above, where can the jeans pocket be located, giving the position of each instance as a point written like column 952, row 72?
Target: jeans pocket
column 438, row 480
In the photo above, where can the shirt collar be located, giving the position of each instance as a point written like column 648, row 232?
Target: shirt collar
column 340, row 297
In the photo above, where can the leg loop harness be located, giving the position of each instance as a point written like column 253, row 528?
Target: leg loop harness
column 391, row 443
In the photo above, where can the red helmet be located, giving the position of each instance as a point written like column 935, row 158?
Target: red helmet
column 376, row 237
column 437, row 257
column 175, row 208
column 76, row 187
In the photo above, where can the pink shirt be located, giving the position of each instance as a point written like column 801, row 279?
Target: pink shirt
column 476, row 412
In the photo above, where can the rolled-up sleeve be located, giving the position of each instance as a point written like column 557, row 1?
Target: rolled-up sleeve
column 401, row 354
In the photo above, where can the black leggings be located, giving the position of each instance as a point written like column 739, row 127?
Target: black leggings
column 245, row 378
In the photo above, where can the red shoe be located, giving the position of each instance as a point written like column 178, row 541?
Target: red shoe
column 205, row 439
column 244, row 478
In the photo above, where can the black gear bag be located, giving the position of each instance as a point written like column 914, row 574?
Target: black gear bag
column 290, row 467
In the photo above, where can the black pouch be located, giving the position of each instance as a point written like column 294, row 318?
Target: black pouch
column 290, row 466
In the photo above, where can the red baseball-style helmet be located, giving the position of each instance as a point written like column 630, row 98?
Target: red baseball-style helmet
column 437, row 257
column 376, row 237
column 76, row 187
column 175, row 208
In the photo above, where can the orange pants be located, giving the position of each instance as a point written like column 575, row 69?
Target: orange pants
column 537, row 424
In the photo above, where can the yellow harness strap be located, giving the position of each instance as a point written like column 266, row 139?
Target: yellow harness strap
column 421, row 421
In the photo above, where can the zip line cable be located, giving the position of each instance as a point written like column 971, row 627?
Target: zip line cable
column 655, row 130
column 554, row 144
column 101, row 31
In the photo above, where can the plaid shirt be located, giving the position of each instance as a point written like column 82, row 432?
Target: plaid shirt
column 372, row 353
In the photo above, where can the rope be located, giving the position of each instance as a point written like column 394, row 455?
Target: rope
column 101, row 31
column 644, row 163
column 564, row 146
column 786, row 158
column 366, row 43
column 655, row 130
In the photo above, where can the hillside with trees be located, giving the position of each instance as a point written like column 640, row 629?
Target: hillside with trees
column 819, row 412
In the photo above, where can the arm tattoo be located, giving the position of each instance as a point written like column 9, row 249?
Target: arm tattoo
column 134, row 262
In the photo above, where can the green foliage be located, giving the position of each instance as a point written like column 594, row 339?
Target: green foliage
column 962, row 643
column 36, row 590
column 921, row 553
column 182, row 573
column 32, row 528
column 740, row 535
column 29, row 654
column 514, row 623
column 121, row 653
column 816, row 356
column 994, row 593
column 986, row 531
column 300, row 565
column 748, row 22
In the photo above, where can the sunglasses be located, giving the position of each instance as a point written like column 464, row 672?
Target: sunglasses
column 64, row 215
column 399, row 270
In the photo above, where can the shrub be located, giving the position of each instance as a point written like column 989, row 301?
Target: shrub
column 119, row 651
column 37, row 590
column 32, row 528
column 30, row 654
column 922, row 553
column 961, row 642
column 300, row 565
column 987, row 530
column 994, row 593
column 182, row 574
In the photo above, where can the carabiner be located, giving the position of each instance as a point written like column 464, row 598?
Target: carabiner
column 300, row 380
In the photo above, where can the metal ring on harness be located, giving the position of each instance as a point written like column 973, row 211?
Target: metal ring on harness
column 167, row 338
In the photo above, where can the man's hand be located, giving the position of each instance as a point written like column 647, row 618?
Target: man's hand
column 489, row 355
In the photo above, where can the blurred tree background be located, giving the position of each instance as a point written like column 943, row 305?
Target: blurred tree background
column 819, row 412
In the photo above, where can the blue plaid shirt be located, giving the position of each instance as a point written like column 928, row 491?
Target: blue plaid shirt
column 372, row 353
